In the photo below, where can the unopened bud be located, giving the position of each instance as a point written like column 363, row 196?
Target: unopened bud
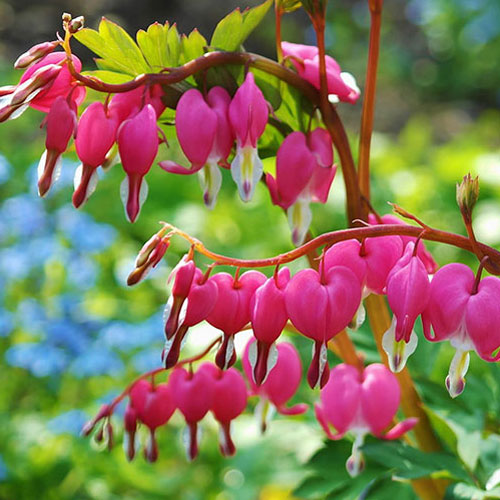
column 66, row 17
column 76, row 24
column 7, row 90
column 149, row 257
column 41, row 79
column 36, row 52
column 467, row 195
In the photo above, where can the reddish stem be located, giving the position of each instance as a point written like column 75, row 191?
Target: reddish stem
column 330, row 238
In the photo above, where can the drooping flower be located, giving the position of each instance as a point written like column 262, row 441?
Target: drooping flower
column 205, row 136
column 466, row 312
column 360, row 403
column 304, row 174
column 175, row 310
column 193, row 395
column 248, row 114
column 229, row 401
column 232, row 310
column 200, row 302
column 95, row 136
column 408, row 295
column 125, row 105
column 138, row 145
column 153, row 405
column 62, row 85
column 341, row 85
column 371, row 261
column 281, row 384
column 60, row 125
column 320, row 305
column 268, row 317
column 424, row 255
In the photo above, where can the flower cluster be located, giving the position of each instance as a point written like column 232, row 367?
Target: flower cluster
column 224, row 393
column 211, row 127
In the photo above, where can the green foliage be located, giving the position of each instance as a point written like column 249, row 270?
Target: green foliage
column 234, row 29
column 115, row 46
column 160, row 45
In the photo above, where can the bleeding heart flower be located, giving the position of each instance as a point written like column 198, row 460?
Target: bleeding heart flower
column 229, row 401
column 361, row 403
column 153, row 405
column 465, row 311
column 320, row 305
column 248, row 114
column 61, row 125
column 268, row 317
column 281, row 384
column 304, row 174
column 95, row 135
column 205, row 136
column 200, row 302
column 341, row 85
column 126, row 105
column 193, row 394
column 137, row 145
column 232, row 310
column 423, row 254
column 175, row 310
column 63, row 84
column 371, row 261
column 408, row 295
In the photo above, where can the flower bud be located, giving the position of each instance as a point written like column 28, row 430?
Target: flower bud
column 41, row 79
column 148, row 258
column 467, row 195
column 76, row 24
column 36, row 52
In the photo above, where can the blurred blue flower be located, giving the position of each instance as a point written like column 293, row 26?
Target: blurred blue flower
column 65, row 333
column 5, row 169
column 25, row 215
column 97, row 360
column 83, row 232
column 40, row 359
column 70, row 422
column 31, row 315
column 127, row 336
column 147, row 360
column 82, row 271
column 6, row 322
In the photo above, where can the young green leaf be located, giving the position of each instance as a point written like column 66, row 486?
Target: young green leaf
column 115, row 46
column 235, row 28
column 192, row 46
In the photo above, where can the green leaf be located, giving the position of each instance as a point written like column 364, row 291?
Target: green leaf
column 318, row 486
column 443, row 428
column 115, row 46
column 234, row 29
column 410, row 463
column 108, row 76
column 462, row 491
column 192, row 46
column 153, row 44
column 160, row 45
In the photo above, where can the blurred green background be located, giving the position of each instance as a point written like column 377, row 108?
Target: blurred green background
column 72, row 335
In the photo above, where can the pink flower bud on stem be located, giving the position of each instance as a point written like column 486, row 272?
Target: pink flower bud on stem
column 35, row 53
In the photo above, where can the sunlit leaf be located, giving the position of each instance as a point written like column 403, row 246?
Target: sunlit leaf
column 235, row 28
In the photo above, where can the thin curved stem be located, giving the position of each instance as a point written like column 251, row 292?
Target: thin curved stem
column 369, row 100
column 431, row 234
